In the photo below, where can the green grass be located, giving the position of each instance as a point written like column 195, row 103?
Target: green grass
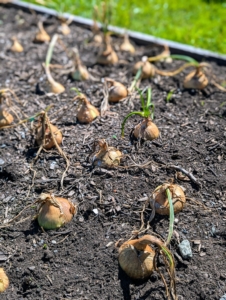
column 200, row 23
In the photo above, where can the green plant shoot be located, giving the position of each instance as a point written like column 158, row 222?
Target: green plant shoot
column 147, row 108
column 171, row 216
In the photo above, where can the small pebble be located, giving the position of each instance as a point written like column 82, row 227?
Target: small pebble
column 223, row 297
column 185, row 249
column 2, row 161
column 52, row 165
column 53, row 242
column 31, row 268
column 95, row 210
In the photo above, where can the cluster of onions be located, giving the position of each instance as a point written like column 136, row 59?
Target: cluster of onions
column 5, row 117
column 4, row 280
column 146, row 129
column 161, row 201
column 107, row 55
column 86, row 112
column 54, row 212
column 16, row 47
column 41, row 36
column 80, row 72
column 47, row 134
column 106, row 156
column 126, row 45
column 136, row 258
column 55, row 87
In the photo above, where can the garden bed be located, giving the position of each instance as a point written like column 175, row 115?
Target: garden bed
column 79, row 261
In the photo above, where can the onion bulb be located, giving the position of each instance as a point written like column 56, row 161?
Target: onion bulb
column 106, row 156
column 117, row 91
column 54, row 212
column 5, row 118
column 107, row 56
column 126, row 45
column 80, row 72
column 86, row 112
column 195, row 80
column 4, row 280
column 146, row 130
column 55, row 87
column 48, row 139
column 64, row 28
column 136, row 259
column 41, row 36
column 16, row 47
column 161, row 201
column 148, row 70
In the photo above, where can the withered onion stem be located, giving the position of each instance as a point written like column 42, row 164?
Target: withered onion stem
column 106, row 156
column 4, row 280
column 54, row 212
column 44, row 131
column 161, row 201
column 196, row 80
column 86, row 112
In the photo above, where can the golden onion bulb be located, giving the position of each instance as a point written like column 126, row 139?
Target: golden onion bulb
column 196, row 80
column 161, row 201
column 107, row 156
column 148, row 70
column 54, row 212
column 4, row 280
column 117, row 91
column 5, row 118
column 86, row 112
column 48, row 139
column 146, row 130
column 16, row 47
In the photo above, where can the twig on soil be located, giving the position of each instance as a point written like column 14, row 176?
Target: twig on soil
column 13, row 219
column 104, row 104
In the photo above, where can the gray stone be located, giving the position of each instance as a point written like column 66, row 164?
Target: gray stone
column 185, row 249
column 223, row 297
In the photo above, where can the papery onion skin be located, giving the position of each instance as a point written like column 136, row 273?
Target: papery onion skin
column 146, row 130
column 148, row 70
column 136, row 260
column 50, row 217
column 162, row 202
column 87, row 112
column 196, row 80
column 127, row 46
column 117, row 92
column 56, row 87
column 4, row 280
column 107, row 158
column 16, row 47
column 49, row 143
column 5, row 118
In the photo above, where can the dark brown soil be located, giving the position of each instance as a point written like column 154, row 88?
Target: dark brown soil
column 79, row 261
